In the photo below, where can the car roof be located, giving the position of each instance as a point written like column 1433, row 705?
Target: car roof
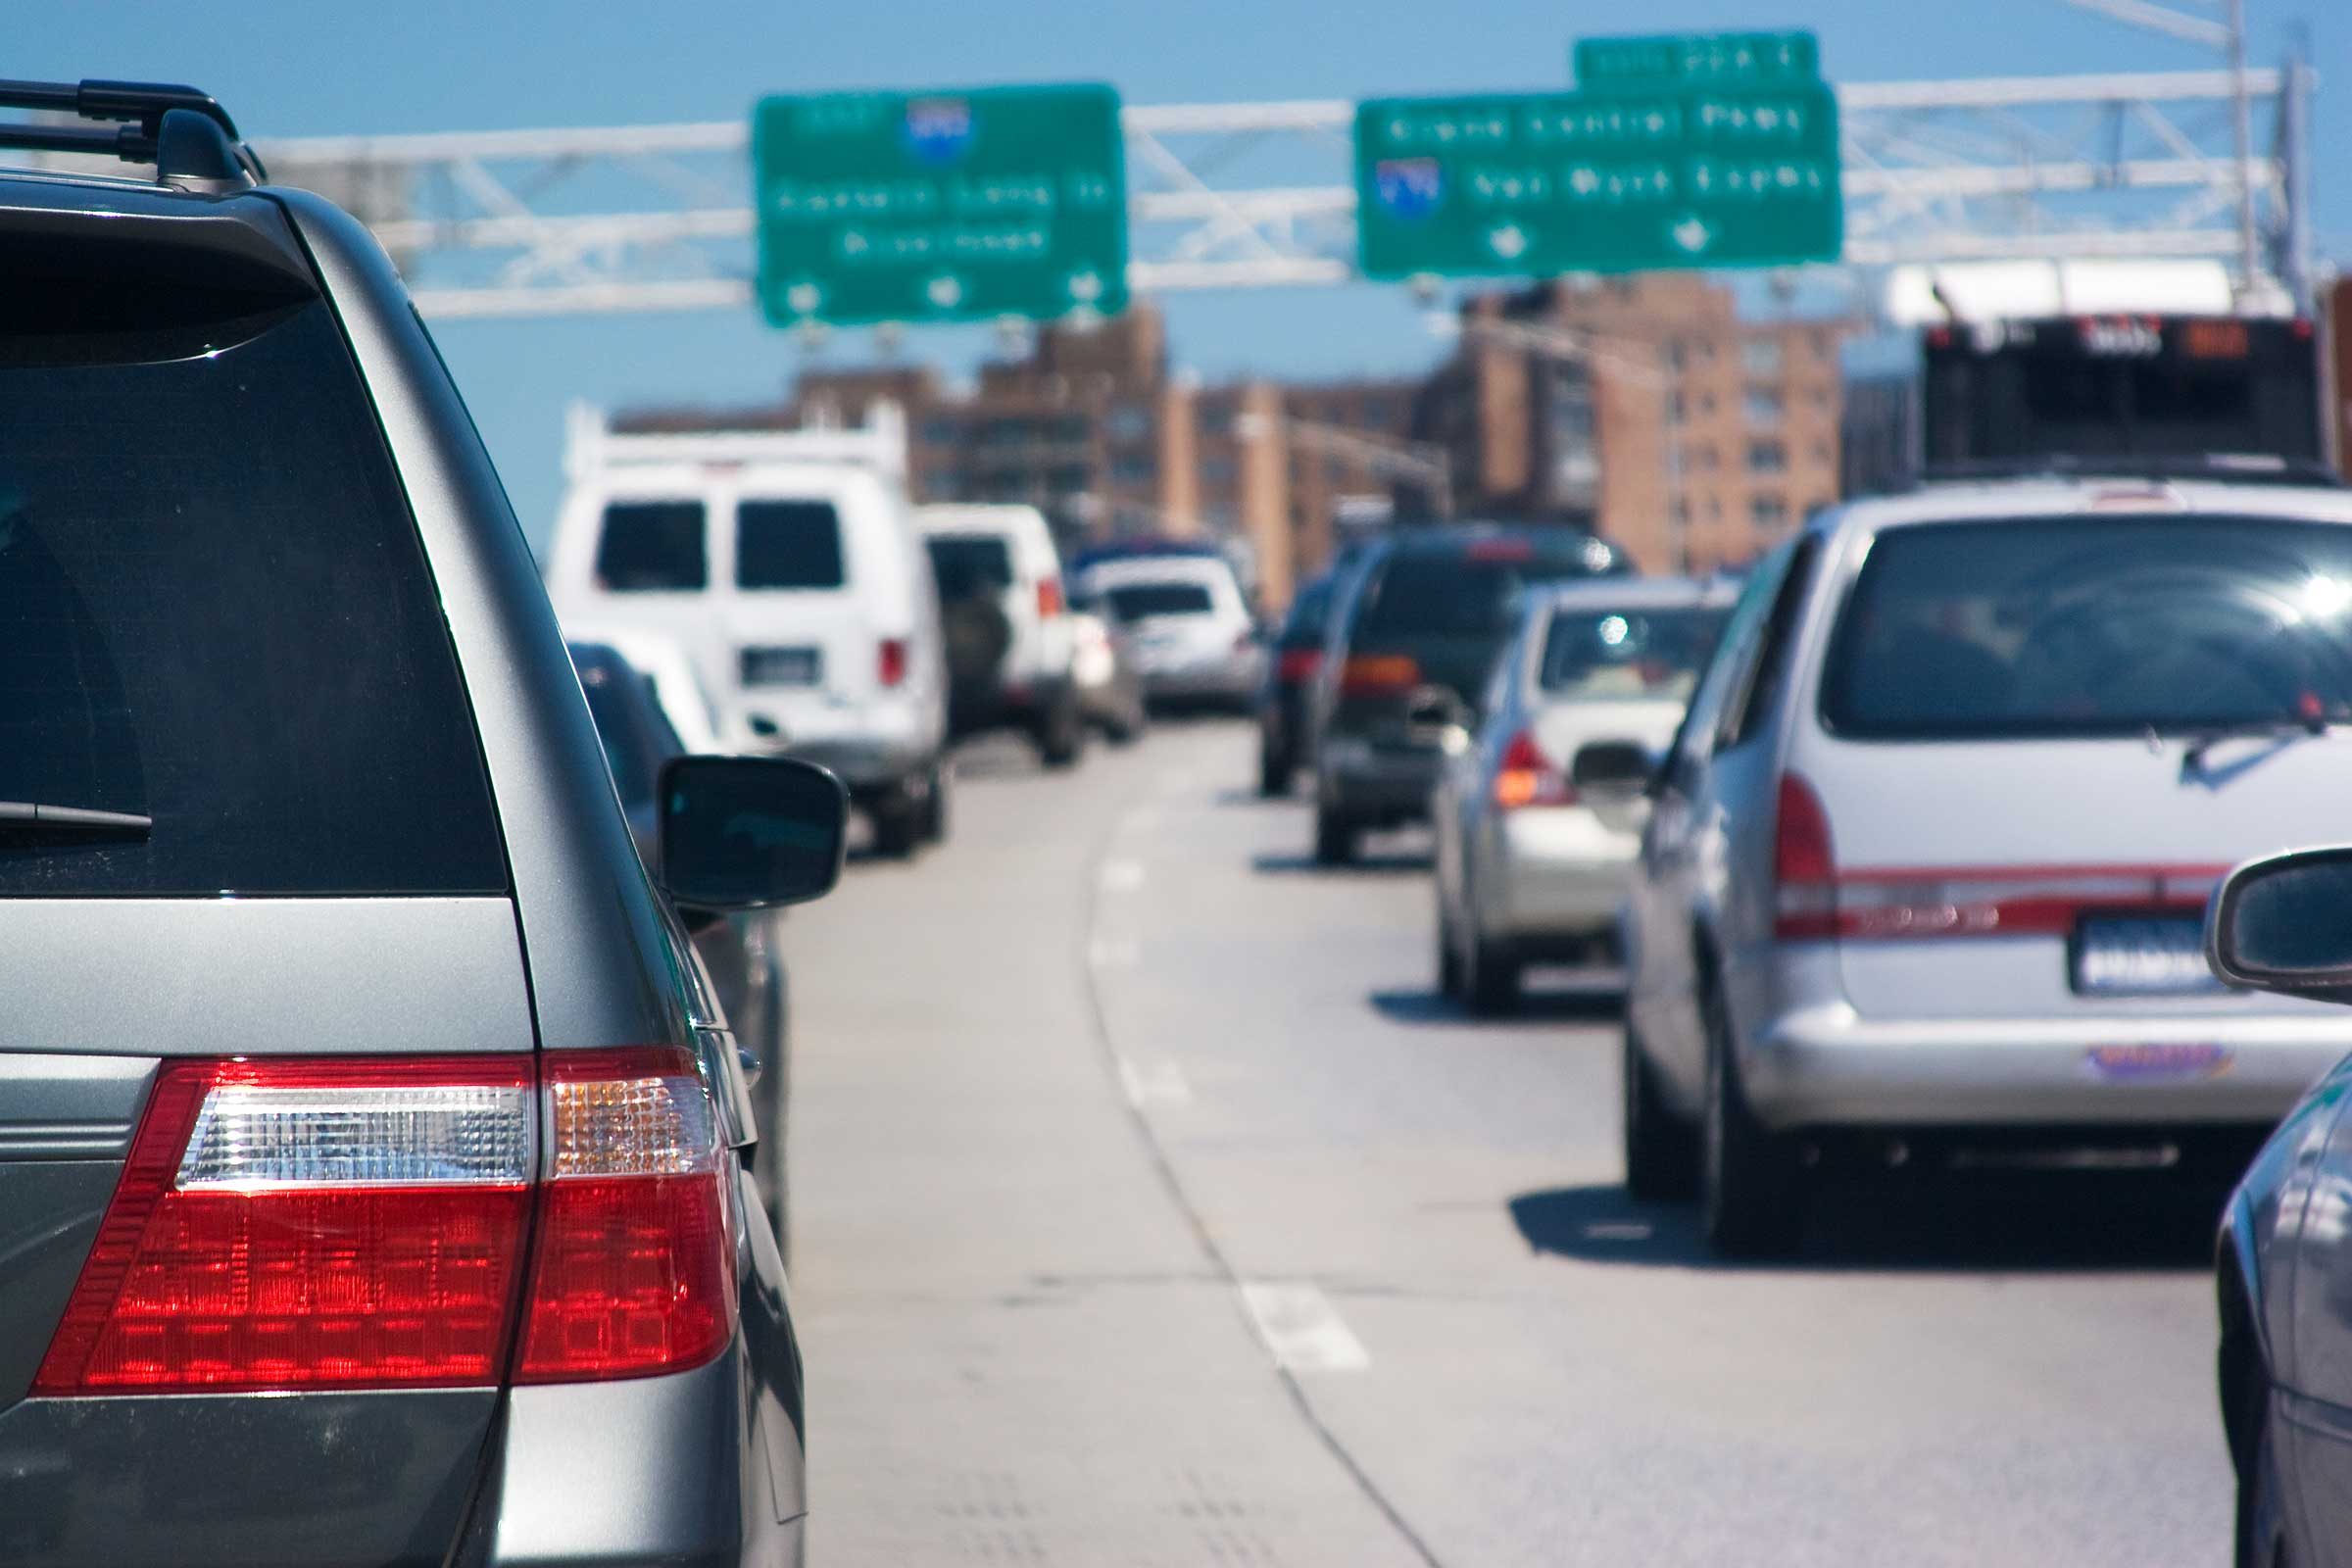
column 1009, row 521
column 2031, row 499
column 1641, row 593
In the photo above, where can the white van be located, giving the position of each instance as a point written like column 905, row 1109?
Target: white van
column 1002, row 559
column 789, row 566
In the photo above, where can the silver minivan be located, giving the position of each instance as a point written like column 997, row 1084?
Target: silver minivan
column 1925, row 866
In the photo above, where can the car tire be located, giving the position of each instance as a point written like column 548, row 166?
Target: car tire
column 1061, row 734
column 1273, row 772
column 2261, row 1538
column 937, row 803
column 1752, row 1187
column 1661, row 1148
column 897, row 824
column 1449, row 958
column 1334, row 836
column 1490, row 979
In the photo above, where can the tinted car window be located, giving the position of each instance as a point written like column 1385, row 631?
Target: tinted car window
column 787, row 544
column 2094, row 626
column 1303, row 627
column 1629, row 654
column 1136, row 601
column 651, row 547
column 1470, row 593
column 968, row 564
column 636, row 734
column 214, row 612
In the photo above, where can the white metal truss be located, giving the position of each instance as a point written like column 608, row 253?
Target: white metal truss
column 638, row 217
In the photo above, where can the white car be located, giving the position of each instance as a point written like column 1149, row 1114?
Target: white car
column 1193, row 638
column 1540, row 813
column 1000, row 561
column 789, row 566
column 1926, row 869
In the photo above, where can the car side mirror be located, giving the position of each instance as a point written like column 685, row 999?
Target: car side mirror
column 2284, row 924
column 749, row 832
column 1612, row 768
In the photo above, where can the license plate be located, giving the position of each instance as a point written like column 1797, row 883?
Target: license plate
column 783, row 666
column 2142, row 958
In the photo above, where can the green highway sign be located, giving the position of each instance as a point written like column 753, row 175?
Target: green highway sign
column 939, row 206
column 1674, row 176
column 1696, row 60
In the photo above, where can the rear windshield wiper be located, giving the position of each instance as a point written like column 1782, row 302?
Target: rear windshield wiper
column 17, row 815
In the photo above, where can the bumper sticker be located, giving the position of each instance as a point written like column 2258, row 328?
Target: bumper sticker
column 2158, row 1062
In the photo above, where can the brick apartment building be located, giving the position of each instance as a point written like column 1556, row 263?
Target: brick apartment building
column 1642, row 407
column 1645, row 407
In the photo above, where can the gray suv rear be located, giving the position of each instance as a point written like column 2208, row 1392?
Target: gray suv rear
column 374, row 1169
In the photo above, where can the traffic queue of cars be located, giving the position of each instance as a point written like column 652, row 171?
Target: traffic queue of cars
column 1905, row 845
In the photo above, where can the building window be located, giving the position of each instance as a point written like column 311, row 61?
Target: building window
column 1701, row 458
column 939, row 432
column 1676, row 409
column 1767, row 457
column 1763, row 408
column 1128, row 422
column 1677, row 356
column 1769, row 512
column 1761, row 356
column 1217, row 470
column 1131, row 468
column 1216, row 420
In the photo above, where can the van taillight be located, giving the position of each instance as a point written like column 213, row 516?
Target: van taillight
column 1049, row 597
column 892, row 663
column 1525, row 776
column 1379, row 676
column 362, row 1224
column 1804, row 865
column 1298, row 665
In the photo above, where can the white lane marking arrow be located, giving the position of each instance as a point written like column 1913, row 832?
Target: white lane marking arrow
column 1300, row 1330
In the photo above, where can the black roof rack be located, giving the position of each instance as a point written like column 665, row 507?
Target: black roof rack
column 183, row 131
column 2225, row 468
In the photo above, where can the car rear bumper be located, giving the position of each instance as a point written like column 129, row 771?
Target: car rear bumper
column 1220, row 680
column 1556, row 873
column 1825, row 1066
column 1358, row 780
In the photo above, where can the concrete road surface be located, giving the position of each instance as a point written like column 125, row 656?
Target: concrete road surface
column 1148, row 1208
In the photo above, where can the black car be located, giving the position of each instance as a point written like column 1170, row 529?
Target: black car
column 1413, row 635
column 1296, row 654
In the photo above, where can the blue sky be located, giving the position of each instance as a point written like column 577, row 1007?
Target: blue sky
column 303, row 68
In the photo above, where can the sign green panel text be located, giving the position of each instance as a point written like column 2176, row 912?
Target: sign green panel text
column 939, row 206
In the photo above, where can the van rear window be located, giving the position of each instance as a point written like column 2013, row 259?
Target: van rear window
column 215, row 612
column 651, row 547
column 787, row 544
column 969, row 565
column 2085, row 627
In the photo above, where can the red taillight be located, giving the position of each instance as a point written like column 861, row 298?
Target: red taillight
column 1527, row 777
column 1297, row 665
column 1049, row 597
column 892, row 663
column 633, row 1270
column 1804, row 865
column 306, row 1224
column 1379, row 676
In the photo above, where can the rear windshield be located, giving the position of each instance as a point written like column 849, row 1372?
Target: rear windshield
column 636, row 733
column 787, row 544
column 2094, row 626
column 651, row 547
column 1141, row 599
column 215, row 612
column 1428, row 594
column 1303, row 627
column 1629, row 654
column 969, row 565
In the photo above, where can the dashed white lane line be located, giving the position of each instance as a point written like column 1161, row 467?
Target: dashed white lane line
column 1300, row 1330
column 1154, row 1083
column 1113, row 953
column 1121, row 876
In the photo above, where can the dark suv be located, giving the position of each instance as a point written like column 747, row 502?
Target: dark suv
column 376, row 1163
column 1413, row 634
